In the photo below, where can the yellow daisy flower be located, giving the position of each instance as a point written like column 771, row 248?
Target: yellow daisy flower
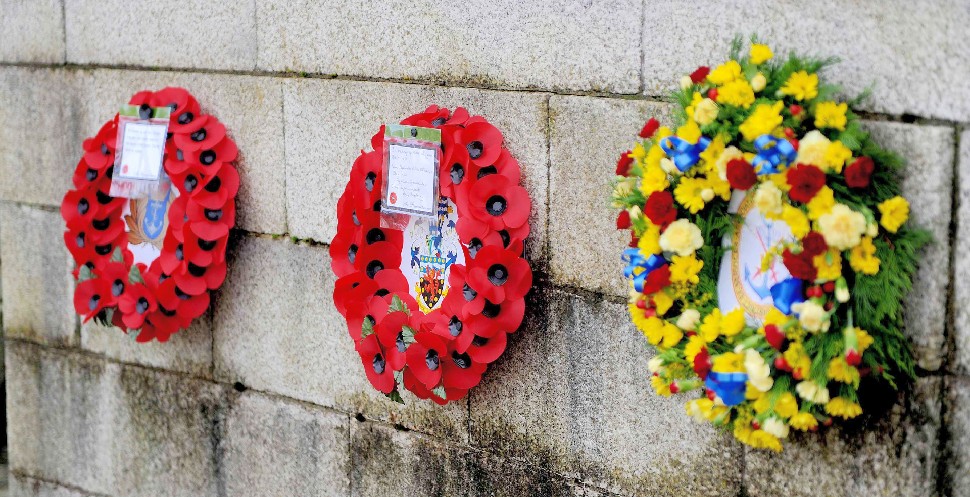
column 760, row 53
column 738, row 93
column 831, row 115
column 803, row 421
column 895, row 212
column 863, row 258
column 728, row 362
column 801, row 86
column 839, row 370
column 694, row 346
column 654, row 180
column 661, row 386
column 688, row 193
column 786, row 406
column 836, row 155
column 711, row 326
column 829, row 265
column 724, row 73
column 684, row 269
column 732, row 323
column 764, row 120
column 843, row 408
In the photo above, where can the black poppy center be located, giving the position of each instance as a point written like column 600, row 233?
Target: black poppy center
column 141, row 306
column 166, row 311
column 375, row 235
column 401, row 345
column 117, row 287
column 474, row 246
column 461, row 360
column 506, row 239
column 485, row 171
column 377, row 206
column 498, row 274
column 181, row 295
column 496, row 205
column 90, row 174
column 373, row 267
column 179, row 253
column 173, row 107
column 104, row 198
column 438, row 121
column 379, row 364
column 93, row 302
column 185, row 118
column 101, row 224
column 207, row 245
column 82, row 206
column 382, row 292
column 457, row 173
column 454, row 326
column 213, row 186
column 207, row 157
column 104, row 149
column 196, row 271
column 213, row 214
column 103, row 249
column 475, row 149
column 190, row 183
column 198, row 135
column 179, row 155
column 432, row 360
column 369, row 181
column 479, row 341
column 356, row 221
column 79, row 240
column 468, row 293
column 491, row 310
column 352, row 253
column 144, row 112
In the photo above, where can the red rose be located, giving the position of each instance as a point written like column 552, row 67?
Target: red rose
column 657, row 280
column 623, row 220
column 800, row 265
column 623, row 165
column 740, row 174
column 814, row 244
column 700, row 74
column 650, row 128
column 660, row 208
column 805, row 180
column 858, row 173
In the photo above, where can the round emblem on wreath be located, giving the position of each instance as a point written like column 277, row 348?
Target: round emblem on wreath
column 429, row 302
column 146, row 264
column 770, row 250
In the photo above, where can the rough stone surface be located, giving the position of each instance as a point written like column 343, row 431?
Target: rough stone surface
column 927, row 184
column 277, row 447
column 188, row 351
column 587, row 136
column 251, row 109
column 276, row 329
column 874, row 40
column 896, row 454
column 321, row 146
column 38, row 289
column 37, row 159
column 961, row 262
column 23, row 486
column 167, row 33
column 957, row 420
column 567, row 45
column 32, row 31
column 574, row 398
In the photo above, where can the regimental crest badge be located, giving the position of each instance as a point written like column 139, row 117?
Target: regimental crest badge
column 432, row 246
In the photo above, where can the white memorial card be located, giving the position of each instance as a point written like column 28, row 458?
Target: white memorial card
column 142, row 148
column 412, row 174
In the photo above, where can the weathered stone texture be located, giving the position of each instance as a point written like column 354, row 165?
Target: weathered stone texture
column 22, row 486
column 567, row 45
column 166, row 33
column 957, row 454
column 874, row 40
column 961, row 262
column 38, row 289
column 188, row 351
column 321, row 145
column 32, row 31
column 279, row 447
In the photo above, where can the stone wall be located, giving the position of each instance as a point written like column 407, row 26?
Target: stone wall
column 265, row 395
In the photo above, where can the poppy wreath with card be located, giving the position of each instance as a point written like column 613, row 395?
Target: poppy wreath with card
column 770, row 250
column 439, row 344
column 169, row 288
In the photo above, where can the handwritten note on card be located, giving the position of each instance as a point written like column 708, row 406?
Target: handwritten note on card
column 411, row 177
column 141, row 151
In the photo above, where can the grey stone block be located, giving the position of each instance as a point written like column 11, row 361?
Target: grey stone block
column 279, row 447
column 873, row 39
column 188, row 351
column 321, row 145
column 41, row 144
column 24, row 486
column 276, row 329
column 587, row 136
column 896, row 454
column 32, row 31
column 59, row 416
column 250, row 107
column 167, row 33
column 957, row 454
column 38, row 288
column 564, row 45
column 961, row 262
column 927, row 184
column 572, row 397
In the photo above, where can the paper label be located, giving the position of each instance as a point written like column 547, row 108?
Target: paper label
column 142, row 133
column 431, row 247
column 411, row 159
column 741, row 282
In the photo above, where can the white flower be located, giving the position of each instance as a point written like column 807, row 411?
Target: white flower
column 688, row 320
column 655, row 364
column 810, row 391
column 842, row 227
column 669, row 167
column 686, row 82
column 705, row 112
column 776, row 427
column 707, row 194
column 758, row 82
column 812, row 316
column 682, row 237
column 635, row 212
column 759, row 374
column 768, row 199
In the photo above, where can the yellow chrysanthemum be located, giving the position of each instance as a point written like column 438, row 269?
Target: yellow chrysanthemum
column 695, row 344
column 812, row 149
column 831, row 115
column 803, row 421
column 760, row 53
column 796, row 220
column 801, row 86
column 764, row 120
column 836, row 155
column 776, row 317
column 797, row 359
column 720, row 187
column 821, row 204
column 684, row 269
column 688, row 194
column 843, row 408
column 671, row 336
column 829, row 265
column 895, row 212
column 863, row 258
column 724, row 73
column 649, row 242
column 652, row 328
column 654, row 180
column 638, row 153
column 710, row 328
column 761, row 439
column 738, row 93
column 839, row 370
column 653, row 157
column 661, row 386
column 689, row 131
column 786, row 406
column 732, row 323
column 865, row 339
column 662, row 302
column 711, row 154
column 638, row 317
column 842, row 227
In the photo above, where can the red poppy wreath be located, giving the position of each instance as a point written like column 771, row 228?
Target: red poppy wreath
column 147, row 265
column 429, row 306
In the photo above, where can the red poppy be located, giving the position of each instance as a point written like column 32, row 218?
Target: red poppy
column 499, row 203
column 700, row 74
column 187, row 121
column 99, row 151
column 805, row 180
column 116, row 276
column 660, row 209
column 657, row 280
column 425, row 357
column 800, row 265
column 432, row 117
column 84, row 176
column 137, row 302
column 487, row 349
column 460, row 371
column 499, row 274
column 455, row 170
column 490, row 319
column 391, row 281
column 354, row 287
column 623, row 164
column 375, row 364
column 649, row 128
column 164, row 324
column 504, row 165
column 194, row 279
column 390, row 333
column 211, row 224
column 740, row 174
column 79, row 208
column 366, row 177
column 217, row 189
column 483, row 142
column 204, row 250
column 814, row 244
column 91, row 296
column 475, row 234
column 858, row 174
column 420, row 391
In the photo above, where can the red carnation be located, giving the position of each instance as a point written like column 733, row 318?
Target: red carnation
column 649, row 128
column 805, row 180
column 858, row 173
column 741, row 174
column 657, row 280
column 702, row 363
column 700, row 74
column 814, row 244
column 800, row 265
column 660, row 208
column 623, row 164
column 623, row 220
